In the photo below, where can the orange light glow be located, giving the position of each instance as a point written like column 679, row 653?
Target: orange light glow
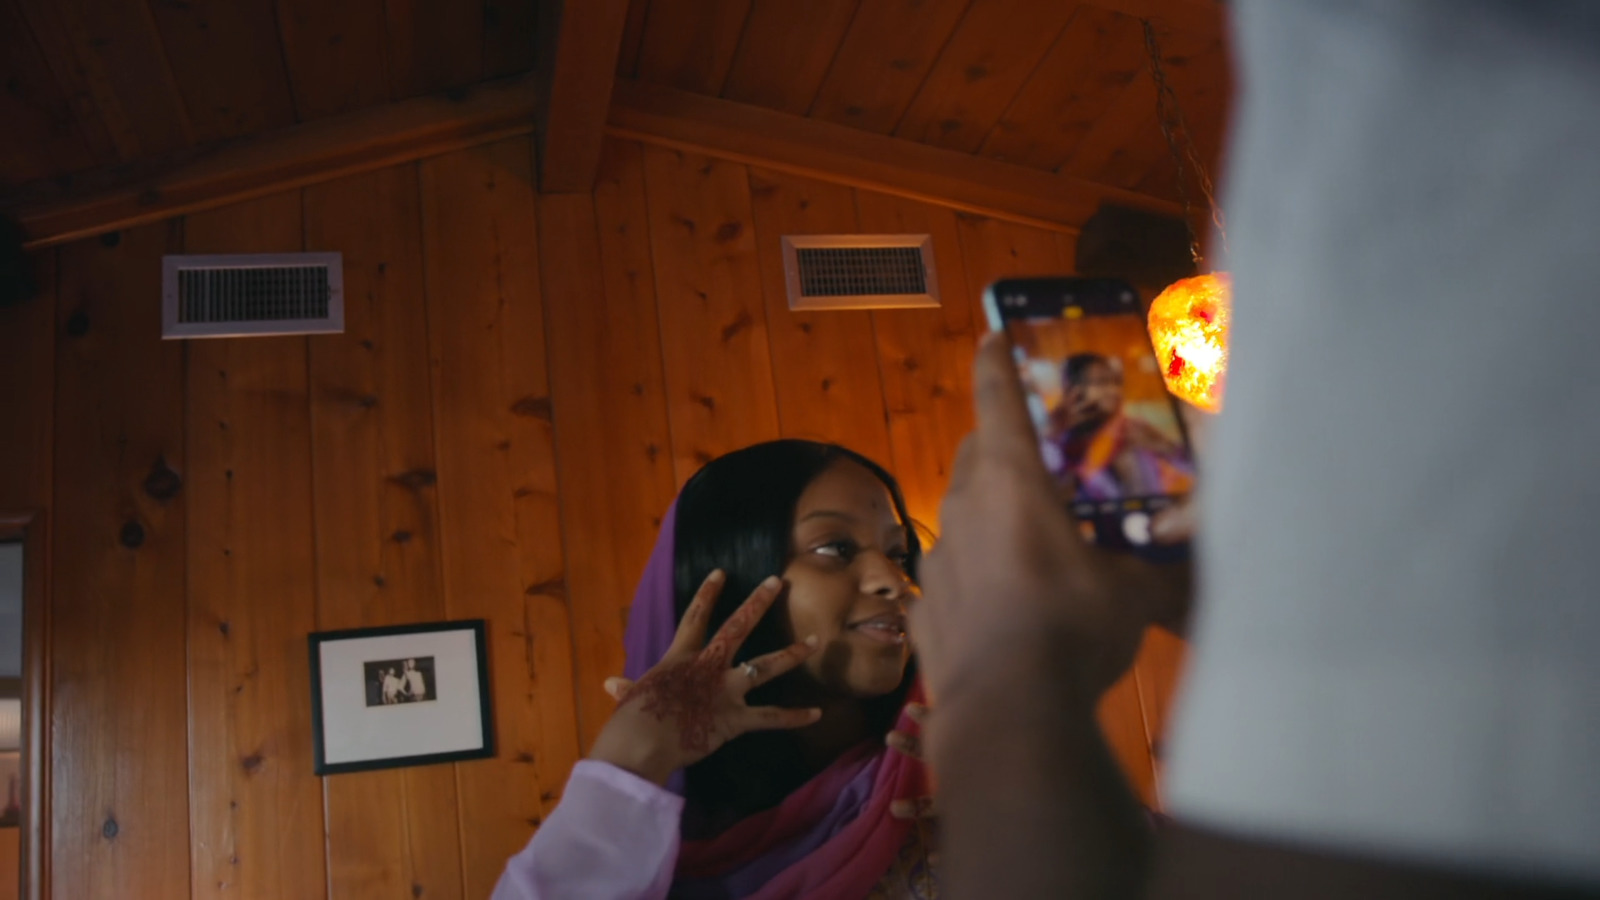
column 1189, row 327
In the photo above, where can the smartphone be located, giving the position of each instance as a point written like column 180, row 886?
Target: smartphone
column 1110, row 434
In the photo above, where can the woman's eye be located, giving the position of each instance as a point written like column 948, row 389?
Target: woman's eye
column 837, row 549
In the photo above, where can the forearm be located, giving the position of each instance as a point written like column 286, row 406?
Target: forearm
column 1033, row 803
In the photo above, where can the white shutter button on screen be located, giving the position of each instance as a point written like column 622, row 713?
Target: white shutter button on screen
column 1136, row 528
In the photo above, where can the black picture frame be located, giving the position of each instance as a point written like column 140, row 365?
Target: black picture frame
column 453, row 699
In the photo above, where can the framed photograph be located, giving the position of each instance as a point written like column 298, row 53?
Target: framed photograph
column 405, row 695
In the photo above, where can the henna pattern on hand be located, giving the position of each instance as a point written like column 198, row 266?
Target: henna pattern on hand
column 733, row 633
column 687, row 692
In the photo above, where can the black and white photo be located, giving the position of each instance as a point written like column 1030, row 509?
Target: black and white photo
column 392, row 681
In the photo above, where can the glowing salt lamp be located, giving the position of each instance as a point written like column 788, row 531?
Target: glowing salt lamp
column 1189, row 327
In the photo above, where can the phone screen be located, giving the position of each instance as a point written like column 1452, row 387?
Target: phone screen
column 1110, row 434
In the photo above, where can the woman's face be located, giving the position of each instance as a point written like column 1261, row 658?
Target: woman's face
column 847, row 584
column 1102, row 390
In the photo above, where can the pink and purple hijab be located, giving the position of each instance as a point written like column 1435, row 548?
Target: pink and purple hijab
column 833, row 837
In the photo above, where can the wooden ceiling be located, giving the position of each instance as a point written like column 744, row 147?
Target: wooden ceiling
column 89, row 83
column 1050, row 84
column 119, row 111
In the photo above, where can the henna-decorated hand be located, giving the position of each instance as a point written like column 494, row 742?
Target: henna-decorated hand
column 692, row 702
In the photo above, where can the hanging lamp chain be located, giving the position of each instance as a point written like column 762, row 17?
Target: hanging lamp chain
column 1180, row 143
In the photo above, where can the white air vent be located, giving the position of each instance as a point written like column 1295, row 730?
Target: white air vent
column 859, row 271
column 252, row 295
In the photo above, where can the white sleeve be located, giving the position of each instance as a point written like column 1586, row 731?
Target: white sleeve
column 614, row 836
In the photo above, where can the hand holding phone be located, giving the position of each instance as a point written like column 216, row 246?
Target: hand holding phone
column 1012, row 574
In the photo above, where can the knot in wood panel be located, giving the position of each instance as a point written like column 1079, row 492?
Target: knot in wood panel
column 78, row 323
column 132, row 535
column 162, row 484
column 740, row 323
column 551, row 587
column 533, row 408
column 416, row 479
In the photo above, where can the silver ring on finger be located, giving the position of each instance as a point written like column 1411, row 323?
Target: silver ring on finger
column 751, row 671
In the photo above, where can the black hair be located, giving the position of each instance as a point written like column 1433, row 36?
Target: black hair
column 1077, row 365
column 737, row 514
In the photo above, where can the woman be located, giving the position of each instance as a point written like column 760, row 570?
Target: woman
column 1106, row 453
column 755, row 765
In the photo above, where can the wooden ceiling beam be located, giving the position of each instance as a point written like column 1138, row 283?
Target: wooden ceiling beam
column 823, row 150
column 579, row 53
column 58, row 210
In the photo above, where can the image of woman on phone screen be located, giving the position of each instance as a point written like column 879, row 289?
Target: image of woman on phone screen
column 1095, row 444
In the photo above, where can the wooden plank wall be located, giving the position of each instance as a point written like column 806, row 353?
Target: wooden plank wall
column 523, row 383
column 10, row 863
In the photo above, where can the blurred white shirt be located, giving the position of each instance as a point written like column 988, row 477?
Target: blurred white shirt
column 1399, row 648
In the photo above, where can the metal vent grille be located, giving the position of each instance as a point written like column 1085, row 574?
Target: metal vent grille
column 846, row 271
column 253, row 295
column 259, row 294
column 859, row 271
